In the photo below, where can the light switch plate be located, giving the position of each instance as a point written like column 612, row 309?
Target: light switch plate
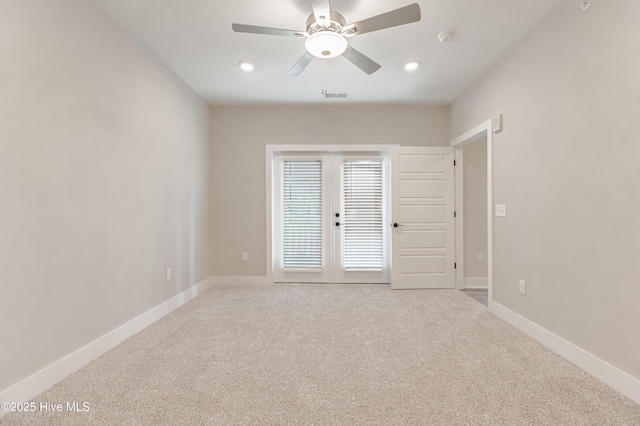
column 168, row 274
column 501, row 210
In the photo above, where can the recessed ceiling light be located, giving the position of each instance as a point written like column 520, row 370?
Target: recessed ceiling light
column 246, row 66
column 411, row 65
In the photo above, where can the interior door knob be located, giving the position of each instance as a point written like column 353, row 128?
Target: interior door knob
column 337, row 223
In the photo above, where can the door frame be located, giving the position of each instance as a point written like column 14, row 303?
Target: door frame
column 270, row 151
column 484, row 129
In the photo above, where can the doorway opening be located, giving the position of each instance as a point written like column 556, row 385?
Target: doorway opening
column 468, row 246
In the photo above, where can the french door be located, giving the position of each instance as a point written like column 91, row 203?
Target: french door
column 331, row 218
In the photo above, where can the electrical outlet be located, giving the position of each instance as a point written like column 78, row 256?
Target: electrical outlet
column 480, row 258
column 245, row 256
column 523, row 287
column 168, row 274
column 501, row 210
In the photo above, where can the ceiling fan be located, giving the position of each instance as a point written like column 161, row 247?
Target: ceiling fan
column 327, row 32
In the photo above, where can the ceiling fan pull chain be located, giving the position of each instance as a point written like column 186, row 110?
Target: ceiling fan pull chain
column 324, row 77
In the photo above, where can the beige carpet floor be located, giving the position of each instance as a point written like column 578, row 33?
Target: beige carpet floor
column 332, row 354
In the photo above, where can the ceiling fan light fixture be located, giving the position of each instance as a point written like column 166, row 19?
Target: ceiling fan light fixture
column 246, row 66
column 326, row 44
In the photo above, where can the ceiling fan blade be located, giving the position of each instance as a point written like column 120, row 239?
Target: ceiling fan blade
column 321, row 11
column 361, row 61
column 404, row 15
column 299, row 66
column 253, row 29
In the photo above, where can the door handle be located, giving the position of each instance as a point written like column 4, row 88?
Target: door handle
column 395, row 224
column 337, row 223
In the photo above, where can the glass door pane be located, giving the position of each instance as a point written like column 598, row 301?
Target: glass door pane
column 302, row 215
column 302, row 208
column 361, row 199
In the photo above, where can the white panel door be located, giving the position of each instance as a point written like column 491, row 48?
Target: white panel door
column 422, row 218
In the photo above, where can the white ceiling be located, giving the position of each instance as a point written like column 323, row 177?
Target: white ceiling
column 194, row 38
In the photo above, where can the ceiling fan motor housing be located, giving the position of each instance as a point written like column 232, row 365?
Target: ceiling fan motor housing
column 336, row 23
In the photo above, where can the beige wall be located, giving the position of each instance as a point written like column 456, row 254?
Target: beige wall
column 566, row 165
column 475, row 209
column 240, row 135
column 104, row 182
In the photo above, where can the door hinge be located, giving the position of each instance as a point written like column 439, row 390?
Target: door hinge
column 455, row 214
column 454, row 162
column 455, row 265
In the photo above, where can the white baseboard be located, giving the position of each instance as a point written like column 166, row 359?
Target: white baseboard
column 476, row 282
column 37, row 383
column 614, row 377
column 248, row 280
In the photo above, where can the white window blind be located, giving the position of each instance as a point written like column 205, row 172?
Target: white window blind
column 363, row 236
column 302, row 215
